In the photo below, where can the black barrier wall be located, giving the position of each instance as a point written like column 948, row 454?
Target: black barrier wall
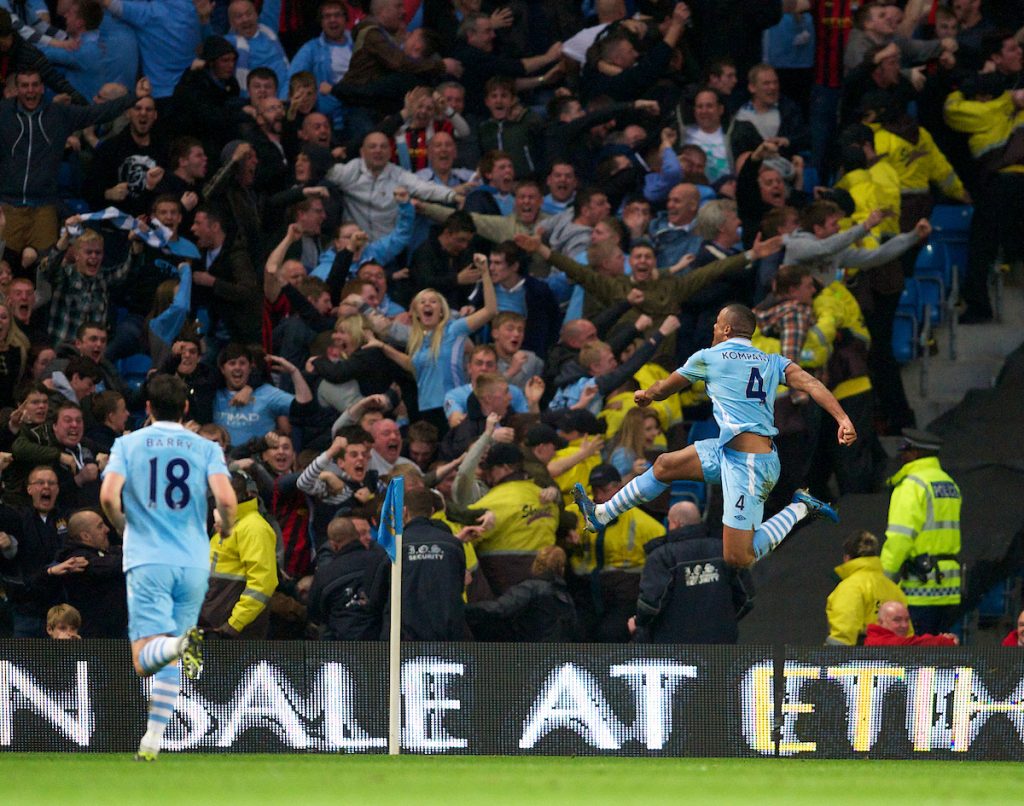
column 531, row 699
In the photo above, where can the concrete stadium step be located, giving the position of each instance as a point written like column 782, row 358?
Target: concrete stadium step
column 981, row 353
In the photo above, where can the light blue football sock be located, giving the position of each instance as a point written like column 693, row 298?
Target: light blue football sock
column 773, row 531
column 643, row 488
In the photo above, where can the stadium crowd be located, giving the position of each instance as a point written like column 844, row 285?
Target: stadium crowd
column 447, row 240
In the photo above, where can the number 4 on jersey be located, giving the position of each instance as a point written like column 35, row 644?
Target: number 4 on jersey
column 755, row 386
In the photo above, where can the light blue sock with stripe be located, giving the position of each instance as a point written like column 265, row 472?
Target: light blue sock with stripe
column 643, row 488
column 774, row 530
column 166, row 683
column 159, row 652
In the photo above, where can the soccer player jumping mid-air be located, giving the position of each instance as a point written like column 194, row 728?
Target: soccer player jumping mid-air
column 741, row 381
column 154, row 492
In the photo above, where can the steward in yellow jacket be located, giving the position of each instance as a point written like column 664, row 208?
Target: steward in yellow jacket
column 243, row 573
column 524, row 522
column 607, row 565
column 873, row 188
column 995, row 127
column 922, row 538
column 919, row 163
column 835, row 349
column 853, row 603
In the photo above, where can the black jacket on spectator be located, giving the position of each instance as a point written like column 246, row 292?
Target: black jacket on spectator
column 29, row 588
column 572, row 142
column 536, row 610
column 478, row 66
column 272, row 173
column 120, row 159
column 432, row 267
column 98, row 592
column 350, row 588
column 433, row 577
column 235, row 297
column 633, row 82
column 561, row 365
column 201, row 384
column 457, row 441
column 688, row 595
column 369, row 367
column 207, row 110
column 322, row 512
column 731, row 28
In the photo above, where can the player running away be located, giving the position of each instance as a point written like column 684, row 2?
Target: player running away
column 154, row 493
column 741, row 381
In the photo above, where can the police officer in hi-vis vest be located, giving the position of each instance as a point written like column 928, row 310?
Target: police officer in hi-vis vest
column 922, row 539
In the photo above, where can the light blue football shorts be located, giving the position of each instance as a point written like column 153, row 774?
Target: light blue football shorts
column 164, row 599
column 746, row 479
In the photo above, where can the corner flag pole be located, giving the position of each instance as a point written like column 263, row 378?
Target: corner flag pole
column 395, row 651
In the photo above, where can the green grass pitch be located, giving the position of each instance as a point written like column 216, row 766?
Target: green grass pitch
column 301, row 780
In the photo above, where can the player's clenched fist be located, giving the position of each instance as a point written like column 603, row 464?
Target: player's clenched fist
column 643, row 397
column 847, row 433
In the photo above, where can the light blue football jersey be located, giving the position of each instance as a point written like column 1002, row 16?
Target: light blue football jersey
column 741, row 381
column 166, row 468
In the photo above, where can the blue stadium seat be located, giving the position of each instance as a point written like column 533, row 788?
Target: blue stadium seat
column 956, row 257
column 905, row 325
column 930, row 294
column 203, row 318
column 933, row 261
column 811, row 178
column 951, row 220
column 996, row 603
column 71, row 207
column 930, row 271
column 133, row 369
column 702, row 429
column 696, row 492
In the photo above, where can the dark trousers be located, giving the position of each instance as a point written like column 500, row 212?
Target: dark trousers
column 856, row 467
column 28, row 626
column 796, row 444
column 998, row 216
column 824, row 122
column 933, row 620
column 128, row 338
column 886, row 378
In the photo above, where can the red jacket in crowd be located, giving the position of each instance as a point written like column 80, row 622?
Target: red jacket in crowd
column 879, row 636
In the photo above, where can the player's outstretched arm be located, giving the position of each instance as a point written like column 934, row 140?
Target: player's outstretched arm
column 110, row 499
column 801, row 380
column 662, row 389
column 227, row 503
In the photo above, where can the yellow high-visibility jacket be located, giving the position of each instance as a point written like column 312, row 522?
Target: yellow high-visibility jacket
column 877, row 188
column 577, row 473
column 243, row 568
column 919, row 165
column 623, row 542
column 853, row 603
column 524, row 524
column 924, row 519
column 991, row 126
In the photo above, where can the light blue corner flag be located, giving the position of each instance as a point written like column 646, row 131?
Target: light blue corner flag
column 391, row 515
